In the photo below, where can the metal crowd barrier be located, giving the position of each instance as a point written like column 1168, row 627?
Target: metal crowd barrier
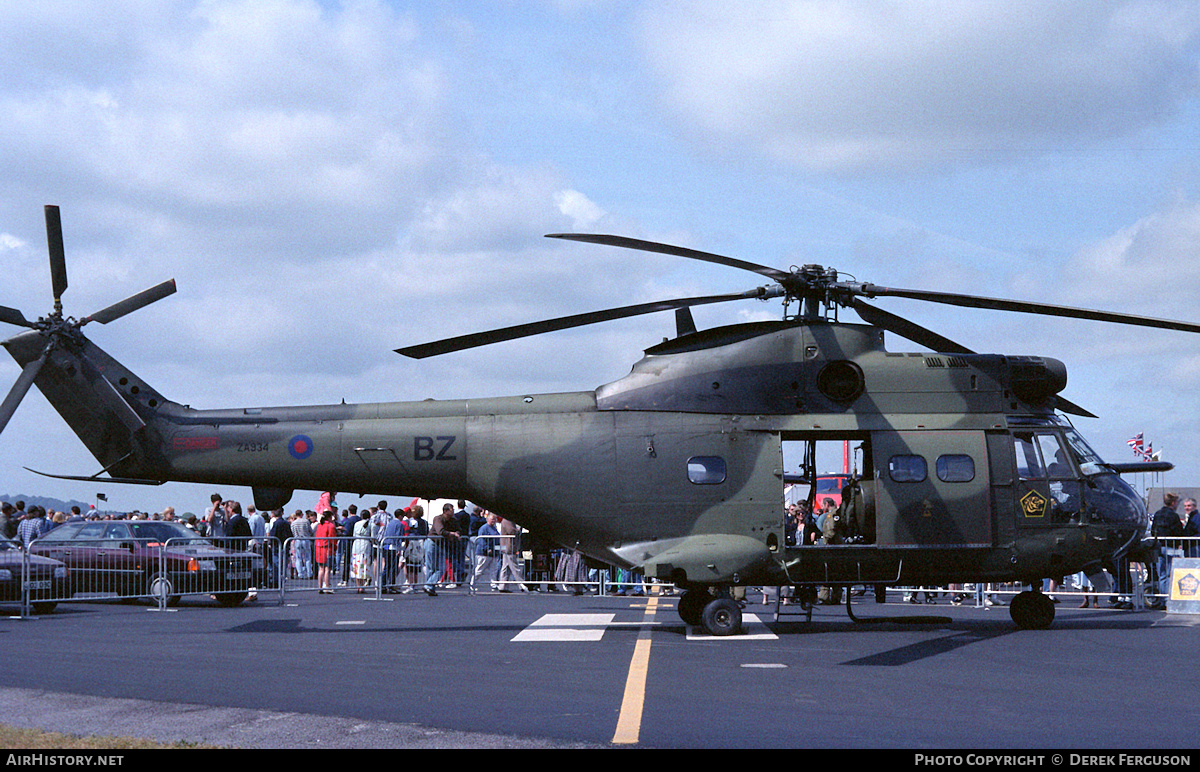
column 378, row 565
column 125, row 568
column 232, row 569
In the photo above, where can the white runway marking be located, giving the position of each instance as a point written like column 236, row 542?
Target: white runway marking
column 566, row 627
column 573, row 620
column 591, row 627
column 753, row 630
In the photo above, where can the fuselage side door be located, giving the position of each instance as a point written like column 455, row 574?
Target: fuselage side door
column 932, row 489
column 1048, row 488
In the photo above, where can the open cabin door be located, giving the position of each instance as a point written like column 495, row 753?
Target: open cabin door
column 932, row 489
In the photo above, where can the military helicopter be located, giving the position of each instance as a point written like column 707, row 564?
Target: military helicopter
column 971, row 469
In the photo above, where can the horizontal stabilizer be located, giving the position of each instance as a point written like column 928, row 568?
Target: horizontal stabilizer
column 94, row 478
column 1142, row 466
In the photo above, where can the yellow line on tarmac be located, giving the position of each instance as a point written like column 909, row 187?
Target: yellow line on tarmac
column 629, row 722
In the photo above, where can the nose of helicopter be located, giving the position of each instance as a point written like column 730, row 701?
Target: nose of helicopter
column 1121, row 510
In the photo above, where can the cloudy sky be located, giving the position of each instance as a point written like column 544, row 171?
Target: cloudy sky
column 328, row 181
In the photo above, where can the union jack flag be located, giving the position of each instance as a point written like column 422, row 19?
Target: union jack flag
column 1140, row 449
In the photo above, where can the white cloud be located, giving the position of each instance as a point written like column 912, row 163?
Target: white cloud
column 1152, row 265
column 583, row 212
column 836, row 85
column 241, row 107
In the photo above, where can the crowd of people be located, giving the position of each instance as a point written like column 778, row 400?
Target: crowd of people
column 373, row 547
column 358, row 548
column 26, row 524
column 821, row 524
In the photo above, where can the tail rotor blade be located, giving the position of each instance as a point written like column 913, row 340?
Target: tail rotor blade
column 132, row 303
column 58, row 257
column 24, row 381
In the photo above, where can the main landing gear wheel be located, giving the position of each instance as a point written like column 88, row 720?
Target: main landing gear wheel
column 722, row 616
column 691, row 606
column 1031, row 610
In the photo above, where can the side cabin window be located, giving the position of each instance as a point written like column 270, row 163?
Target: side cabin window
column 907, row 468
column 955, row 468
column 706, row 470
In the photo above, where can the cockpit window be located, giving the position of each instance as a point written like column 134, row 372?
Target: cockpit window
column 1089, row 461
column 1041, row 455
column 1029, row 464
column 1055, row 458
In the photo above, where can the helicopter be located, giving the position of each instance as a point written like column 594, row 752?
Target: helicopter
column 971, row 469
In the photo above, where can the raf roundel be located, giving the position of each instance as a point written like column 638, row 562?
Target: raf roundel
column 300, row 446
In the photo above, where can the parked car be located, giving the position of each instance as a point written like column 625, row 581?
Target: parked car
column 151, row 558
column 48, row 580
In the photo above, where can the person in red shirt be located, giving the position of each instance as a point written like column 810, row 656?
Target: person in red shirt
column 325, row 549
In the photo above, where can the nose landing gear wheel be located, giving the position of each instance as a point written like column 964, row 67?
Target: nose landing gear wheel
column 722, row 616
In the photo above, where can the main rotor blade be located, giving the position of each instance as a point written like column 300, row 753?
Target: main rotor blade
column 1025, row 307
column 1067, row 406
column 25, row 380
column 132, row 303
column 906, row 329
column 13, row 316
column 668, row 249
column 474, row 340
column 58, row 257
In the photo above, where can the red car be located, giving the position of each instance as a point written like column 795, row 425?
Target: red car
column 146, row 558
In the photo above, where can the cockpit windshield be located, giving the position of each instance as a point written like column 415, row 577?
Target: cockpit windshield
column 1088, row 460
